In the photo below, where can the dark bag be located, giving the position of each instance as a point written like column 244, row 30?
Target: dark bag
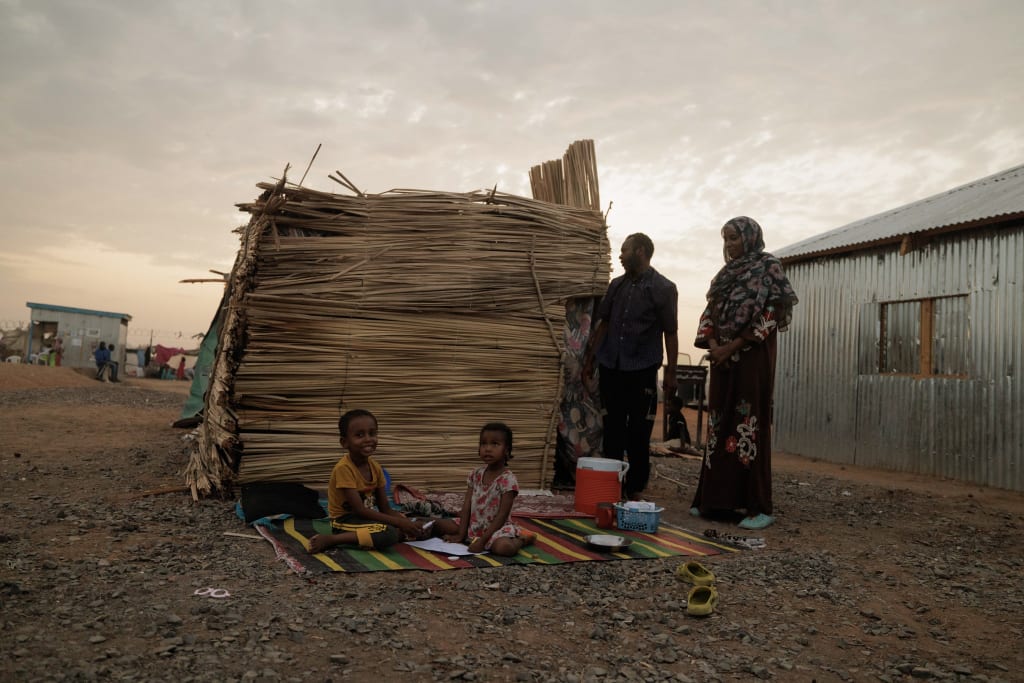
column 268, row 498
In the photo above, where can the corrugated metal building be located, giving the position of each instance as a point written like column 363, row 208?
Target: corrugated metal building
column 81, row 330
column 906, row 349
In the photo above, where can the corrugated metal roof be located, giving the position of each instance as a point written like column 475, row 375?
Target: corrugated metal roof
column 1001, row 194
column 71, row 309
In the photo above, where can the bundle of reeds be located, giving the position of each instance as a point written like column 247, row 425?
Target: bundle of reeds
column 571, row 181
column 437, row 311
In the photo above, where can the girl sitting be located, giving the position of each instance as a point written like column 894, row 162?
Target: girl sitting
column 491, row 490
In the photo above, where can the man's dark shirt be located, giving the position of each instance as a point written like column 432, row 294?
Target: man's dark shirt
column 637, row 313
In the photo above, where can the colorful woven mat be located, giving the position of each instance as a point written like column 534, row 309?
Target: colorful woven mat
column 558, row 541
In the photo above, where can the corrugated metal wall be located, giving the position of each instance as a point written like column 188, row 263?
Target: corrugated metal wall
column 830, row 404
column 82, row 333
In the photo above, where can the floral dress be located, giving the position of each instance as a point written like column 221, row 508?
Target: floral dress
column 486, row 501
column 580, row 425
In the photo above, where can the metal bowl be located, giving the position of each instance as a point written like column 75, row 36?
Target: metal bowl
column 607, row 542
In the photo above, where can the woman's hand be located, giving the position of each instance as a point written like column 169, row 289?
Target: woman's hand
column 477, row 546
column 720, row 355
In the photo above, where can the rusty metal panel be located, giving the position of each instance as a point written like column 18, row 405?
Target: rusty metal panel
column 967, row 420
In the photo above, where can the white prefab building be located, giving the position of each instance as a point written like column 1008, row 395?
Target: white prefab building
column 81, row 331
column 907, row 349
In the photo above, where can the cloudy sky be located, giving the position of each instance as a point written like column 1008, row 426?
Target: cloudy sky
column 131, row 128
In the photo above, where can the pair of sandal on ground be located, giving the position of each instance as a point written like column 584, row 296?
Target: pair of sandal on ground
column 703, row 597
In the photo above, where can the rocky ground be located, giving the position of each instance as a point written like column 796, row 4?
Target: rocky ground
column 868, row 576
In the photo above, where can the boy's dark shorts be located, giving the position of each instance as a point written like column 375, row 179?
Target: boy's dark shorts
column 371, row 535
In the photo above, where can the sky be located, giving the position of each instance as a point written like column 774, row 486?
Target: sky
column 131, row 128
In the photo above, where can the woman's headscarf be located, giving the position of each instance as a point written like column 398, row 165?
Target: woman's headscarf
column 746, row 285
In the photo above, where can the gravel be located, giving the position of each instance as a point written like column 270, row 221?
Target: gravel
column 858, row 582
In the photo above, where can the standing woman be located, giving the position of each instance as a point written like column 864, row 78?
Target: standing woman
column 749, row 300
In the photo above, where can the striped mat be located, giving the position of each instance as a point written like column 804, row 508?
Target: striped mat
column 558, row 541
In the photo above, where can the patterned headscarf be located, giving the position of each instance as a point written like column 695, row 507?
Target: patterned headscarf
column 746, row 285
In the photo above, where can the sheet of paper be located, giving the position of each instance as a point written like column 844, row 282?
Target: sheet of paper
column 441, row 546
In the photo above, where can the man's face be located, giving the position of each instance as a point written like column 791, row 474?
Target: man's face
column 629, row 256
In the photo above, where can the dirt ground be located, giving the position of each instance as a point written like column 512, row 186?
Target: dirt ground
column 868, row 575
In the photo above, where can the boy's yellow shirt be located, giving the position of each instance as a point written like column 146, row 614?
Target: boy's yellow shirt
column 346, row 475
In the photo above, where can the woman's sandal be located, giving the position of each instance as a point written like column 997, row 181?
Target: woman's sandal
column 761, row 521
column 701, row 601
column 695, row 573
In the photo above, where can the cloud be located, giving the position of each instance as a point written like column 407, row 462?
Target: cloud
column 136, row 127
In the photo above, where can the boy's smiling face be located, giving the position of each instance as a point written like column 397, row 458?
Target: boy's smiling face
column 361, row 439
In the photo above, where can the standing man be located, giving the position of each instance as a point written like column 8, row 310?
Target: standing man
column 637, row 313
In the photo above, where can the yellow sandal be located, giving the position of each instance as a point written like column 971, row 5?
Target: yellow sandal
column 701, row 601
column 695, row 573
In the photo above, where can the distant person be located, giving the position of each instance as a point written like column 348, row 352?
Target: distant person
column 750, row 299
column 180, row 373
column 102, row 357
column 637, row 314
column 58, row 352
column 356, row 495
column 485, row 521
column 112, row 364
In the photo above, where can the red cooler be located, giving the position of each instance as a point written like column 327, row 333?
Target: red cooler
column 598, row 480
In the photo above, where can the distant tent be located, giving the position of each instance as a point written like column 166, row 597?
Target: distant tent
column 163, row 354
column 191, row 412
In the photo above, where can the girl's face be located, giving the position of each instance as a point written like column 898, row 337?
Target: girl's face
column 733, row 242
column 492, row 447
column 361, row 439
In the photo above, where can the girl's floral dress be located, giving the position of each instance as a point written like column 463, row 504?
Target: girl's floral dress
column 486, row 501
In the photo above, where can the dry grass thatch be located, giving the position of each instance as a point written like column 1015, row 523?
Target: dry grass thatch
column 438, row 311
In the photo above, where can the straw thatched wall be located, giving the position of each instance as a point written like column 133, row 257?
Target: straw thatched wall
column 437, row 311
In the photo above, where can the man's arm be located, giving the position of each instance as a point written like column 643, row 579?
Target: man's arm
column 672, row 351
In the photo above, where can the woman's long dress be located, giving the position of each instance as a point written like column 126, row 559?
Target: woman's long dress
column 737, row 470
